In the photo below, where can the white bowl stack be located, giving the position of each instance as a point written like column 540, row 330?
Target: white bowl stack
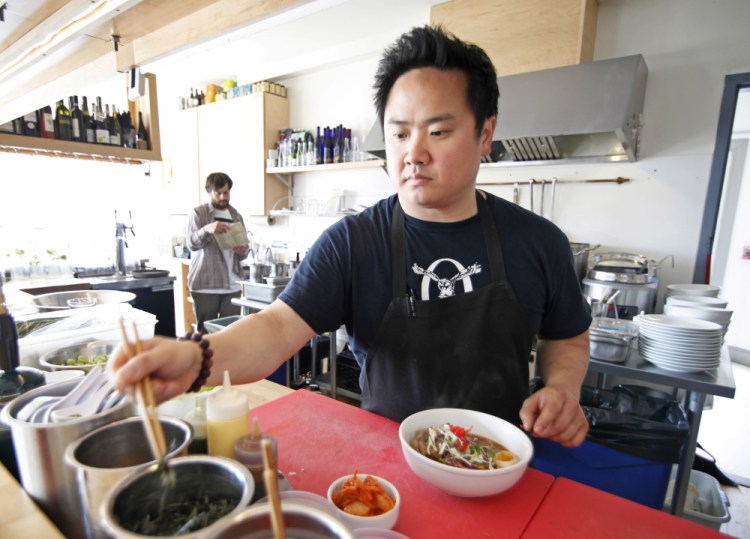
column 698, row 301
column 679, row 344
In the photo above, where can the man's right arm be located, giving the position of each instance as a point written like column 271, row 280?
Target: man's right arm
column 250, row 349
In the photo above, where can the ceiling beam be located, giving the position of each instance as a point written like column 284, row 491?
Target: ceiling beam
column 88, row 58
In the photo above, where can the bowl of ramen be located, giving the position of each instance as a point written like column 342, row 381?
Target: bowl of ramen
column 464, row 452
column 365, row 501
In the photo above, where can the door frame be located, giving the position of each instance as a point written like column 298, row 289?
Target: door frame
column 732, row 85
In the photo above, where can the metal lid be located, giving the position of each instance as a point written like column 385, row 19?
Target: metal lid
column 621, row 268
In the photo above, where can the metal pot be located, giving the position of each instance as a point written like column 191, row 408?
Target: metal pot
column 39, row 448
column 581, row 257
column 632, row 299
column 299, row 521
column 195, row 476
column 104, row 456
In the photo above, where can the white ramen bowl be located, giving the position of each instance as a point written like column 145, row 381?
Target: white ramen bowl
column 720, row 316
column 693, row 289
column 698, row 301
column 461, row 481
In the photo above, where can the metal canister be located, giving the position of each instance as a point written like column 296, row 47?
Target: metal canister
column 38, row 448
column 104, row 456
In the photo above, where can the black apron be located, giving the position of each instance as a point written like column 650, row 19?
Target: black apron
column 465, row 351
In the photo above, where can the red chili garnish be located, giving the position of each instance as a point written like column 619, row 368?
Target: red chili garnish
column 462, row 443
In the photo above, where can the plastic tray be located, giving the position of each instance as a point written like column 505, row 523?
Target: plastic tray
column 103, row 324
column 705, row 503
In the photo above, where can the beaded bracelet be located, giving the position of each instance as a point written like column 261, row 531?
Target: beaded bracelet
column 206, row 363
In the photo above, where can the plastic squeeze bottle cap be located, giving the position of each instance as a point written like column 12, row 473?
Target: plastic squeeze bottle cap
column 227, row 404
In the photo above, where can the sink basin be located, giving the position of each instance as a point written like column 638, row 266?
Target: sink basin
column 260, row 291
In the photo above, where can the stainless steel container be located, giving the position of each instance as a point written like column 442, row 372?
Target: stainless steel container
column 58, row 301
column 39, row 448
column 104, row 456
column 145, row 492
column 300, row 521
column 581, row 252
column 632, row 299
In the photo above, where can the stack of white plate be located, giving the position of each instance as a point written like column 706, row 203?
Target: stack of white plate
column 679, row 344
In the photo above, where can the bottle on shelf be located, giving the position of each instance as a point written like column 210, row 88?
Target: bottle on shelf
column 88, row 123
column 115, row 130
column 102, row 133
column 141, row 136
column 319, row 143
column 338, row 145
column 128, row 133
column 63, row 122
column 76, row 119
column 327, row 147
column 46, row 122
column 30, row 124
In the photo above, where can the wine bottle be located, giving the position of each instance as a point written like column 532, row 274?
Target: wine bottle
column 14, row 380
column 128, row 134
column 102, row 133
column 30, row 124
column 46, row 122
column 63, row 122
column 115, row 130
column 77, row 123
column 141, row 136
column 88, row 122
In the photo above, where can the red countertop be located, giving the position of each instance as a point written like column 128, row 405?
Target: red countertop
column 571, row 509
column 321, row 439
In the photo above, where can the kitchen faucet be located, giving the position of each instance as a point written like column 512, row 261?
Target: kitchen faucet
column 121, row 230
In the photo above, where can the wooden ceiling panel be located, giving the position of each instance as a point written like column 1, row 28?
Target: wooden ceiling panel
column 148, row 30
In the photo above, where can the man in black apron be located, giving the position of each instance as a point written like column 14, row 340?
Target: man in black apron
column 443, row 289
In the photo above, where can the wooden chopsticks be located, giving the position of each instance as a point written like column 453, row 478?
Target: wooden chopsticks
column 146, row 401
column 271, row 482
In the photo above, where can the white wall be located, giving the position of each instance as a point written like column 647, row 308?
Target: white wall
column 689, row 47
column 326, row 54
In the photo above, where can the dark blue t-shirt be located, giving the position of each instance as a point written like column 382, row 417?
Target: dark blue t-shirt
column 345, row 278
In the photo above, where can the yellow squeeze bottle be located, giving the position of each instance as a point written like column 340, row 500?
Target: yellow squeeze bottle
column 226, row 419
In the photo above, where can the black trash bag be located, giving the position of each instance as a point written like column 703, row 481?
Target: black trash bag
column 637, row 420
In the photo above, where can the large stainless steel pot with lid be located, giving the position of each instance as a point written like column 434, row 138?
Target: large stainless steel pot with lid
column 633, row 275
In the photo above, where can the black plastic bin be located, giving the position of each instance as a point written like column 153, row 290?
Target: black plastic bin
column 636, row 434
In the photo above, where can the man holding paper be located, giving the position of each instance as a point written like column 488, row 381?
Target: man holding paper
column 218, row 243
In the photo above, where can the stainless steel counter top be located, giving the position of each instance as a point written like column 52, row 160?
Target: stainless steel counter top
column 127, row 282
column 719, row 382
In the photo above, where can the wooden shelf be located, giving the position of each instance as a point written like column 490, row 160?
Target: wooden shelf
column 370, row 163
column 98, row 152
column 74, row 150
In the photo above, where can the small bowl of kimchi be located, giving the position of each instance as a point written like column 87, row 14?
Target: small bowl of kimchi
column 365, row 501
column 464, row 452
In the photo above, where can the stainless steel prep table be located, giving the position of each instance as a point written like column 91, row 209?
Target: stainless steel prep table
column 719, row 382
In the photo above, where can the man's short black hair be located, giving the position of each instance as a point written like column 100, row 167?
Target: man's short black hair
column 217, row 180
column 427, row 46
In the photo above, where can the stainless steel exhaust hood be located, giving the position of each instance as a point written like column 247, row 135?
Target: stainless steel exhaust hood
column 588, row 112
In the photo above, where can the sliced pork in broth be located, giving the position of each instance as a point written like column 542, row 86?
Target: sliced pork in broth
column 459, row 447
